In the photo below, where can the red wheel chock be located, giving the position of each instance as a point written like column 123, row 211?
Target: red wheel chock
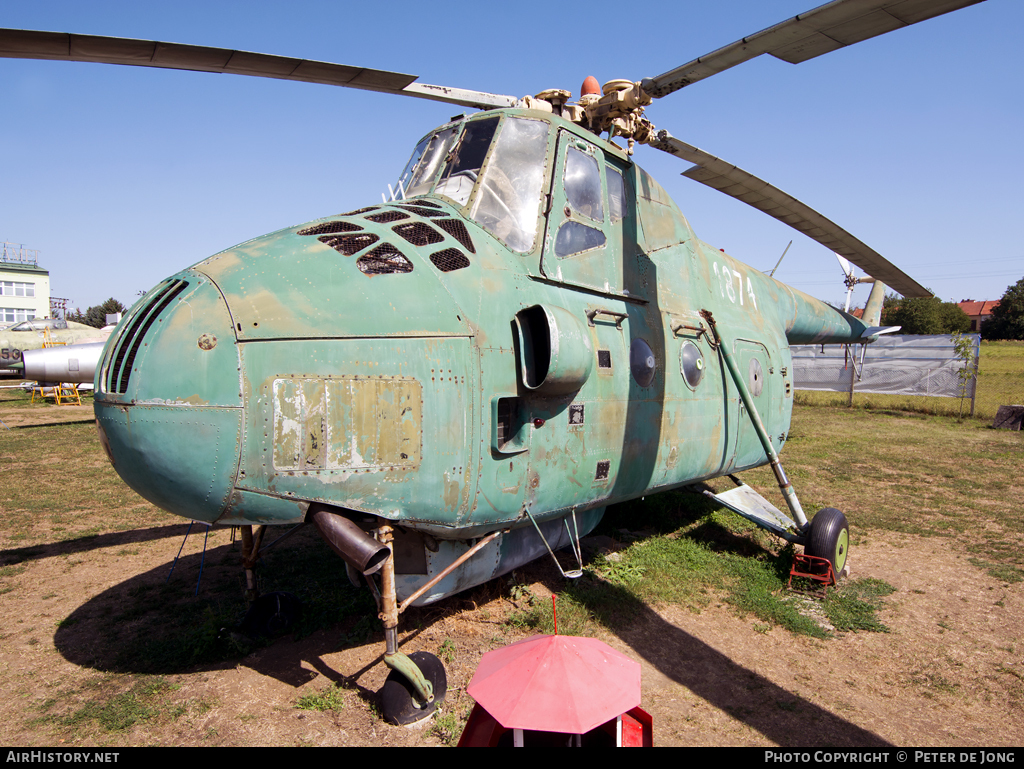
column 813, row 568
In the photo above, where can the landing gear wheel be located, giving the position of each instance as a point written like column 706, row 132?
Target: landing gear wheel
column 398, row 700
column 829, row 538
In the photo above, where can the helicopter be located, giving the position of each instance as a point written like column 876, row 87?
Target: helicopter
column 460, row 378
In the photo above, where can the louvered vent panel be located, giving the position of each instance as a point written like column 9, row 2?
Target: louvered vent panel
column 119, row 373
column 123, row 343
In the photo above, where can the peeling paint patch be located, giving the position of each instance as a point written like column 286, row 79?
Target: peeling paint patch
column 451, row 492
column 347, row 423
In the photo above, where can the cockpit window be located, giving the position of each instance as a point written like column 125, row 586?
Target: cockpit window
column 617, row 202
column 38, row 324
column 508, row 200
column 507, row 190
column 422, row 167
column 463, row 167
column 583, row 184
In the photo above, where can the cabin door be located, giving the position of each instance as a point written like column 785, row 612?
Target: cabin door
column 590, row 219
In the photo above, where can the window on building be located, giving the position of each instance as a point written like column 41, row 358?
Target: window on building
column 14, row 288
column 15, row 315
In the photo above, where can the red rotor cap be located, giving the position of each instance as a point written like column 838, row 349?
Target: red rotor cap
column 590, row 86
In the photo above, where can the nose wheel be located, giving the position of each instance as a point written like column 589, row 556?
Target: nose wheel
column 400, row 703
column 417, row 682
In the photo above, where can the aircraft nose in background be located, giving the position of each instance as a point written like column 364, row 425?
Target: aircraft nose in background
column 168, row 401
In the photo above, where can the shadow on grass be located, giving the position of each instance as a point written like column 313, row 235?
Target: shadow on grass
column 154, row 624
column 146, row 625
column 87, row 421
column 89, row 543
column 783, row 717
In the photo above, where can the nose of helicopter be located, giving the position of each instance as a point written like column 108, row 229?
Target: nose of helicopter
column 168, row 398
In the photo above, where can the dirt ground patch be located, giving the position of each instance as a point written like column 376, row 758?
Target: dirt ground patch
column 950, row 672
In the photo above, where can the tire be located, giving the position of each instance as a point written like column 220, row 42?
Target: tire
column 398, row 702
column 829, row 538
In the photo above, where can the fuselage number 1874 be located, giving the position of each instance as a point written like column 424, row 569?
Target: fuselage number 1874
column 725, row 277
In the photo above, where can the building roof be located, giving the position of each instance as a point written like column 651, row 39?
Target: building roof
column 975, row 309
column 17, row 267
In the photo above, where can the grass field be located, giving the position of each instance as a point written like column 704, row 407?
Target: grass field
column 942, row 479
column 69, row 521
column 1000, row 383
column 891, row 472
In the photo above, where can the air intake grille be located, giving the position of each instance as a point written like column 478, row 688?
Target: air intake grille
column 384, row 259
column 388, row 216
column 349, row 244
column 423, row 211
column 457, row 230
column 328, row 227
column 120, row 370
column 418, row 233
column 449, row 259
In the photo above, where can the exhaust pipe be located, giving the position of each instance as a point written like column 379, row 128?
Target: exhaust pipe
column 359, row 549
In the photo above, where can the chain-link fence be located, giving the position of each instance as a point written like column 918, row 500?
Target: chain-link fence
column 920, row 373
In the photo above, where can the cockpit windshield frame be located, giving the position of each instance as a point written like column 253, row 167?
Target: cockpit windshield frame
column 421, row 170
column 494, row 169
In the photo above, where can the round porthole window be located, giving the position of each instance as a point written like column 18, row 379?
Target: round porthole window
column 691, row 363
column 641, row 362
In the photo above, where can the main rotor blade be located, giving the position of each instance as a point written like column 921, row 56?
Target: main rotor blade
column 733, row 181
column 824, row 29
column 31, row 44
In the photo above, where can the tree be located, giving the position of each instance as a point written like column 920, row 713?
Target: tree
column 96, row 315
column 964, row 353
column 924, row 315
column 954, row 319
column 1007, row 321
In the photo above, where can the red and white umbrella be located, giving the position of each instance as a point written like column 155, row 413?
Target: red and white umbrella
column 556, row 683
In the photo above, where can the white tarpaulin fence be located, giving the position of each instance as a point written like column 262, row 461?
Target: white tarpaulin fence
column 897, row 365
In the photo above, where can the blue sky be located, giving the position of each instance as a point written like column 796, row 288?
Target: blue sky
column 121, row 176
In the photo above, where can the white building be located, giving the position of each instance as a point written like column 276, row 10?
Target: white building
column 24, row 286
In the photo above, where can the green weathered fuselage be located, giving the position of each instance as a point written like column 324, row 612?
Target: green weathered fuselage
column 285, row 371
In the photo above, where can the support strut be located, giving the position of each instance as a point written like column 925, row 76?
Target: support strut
column 780, row 475
column 393, row 658
column 250, row 554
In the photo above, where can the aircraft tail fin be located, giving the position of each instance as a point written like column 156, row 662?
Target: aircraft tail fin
column 873, row 309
